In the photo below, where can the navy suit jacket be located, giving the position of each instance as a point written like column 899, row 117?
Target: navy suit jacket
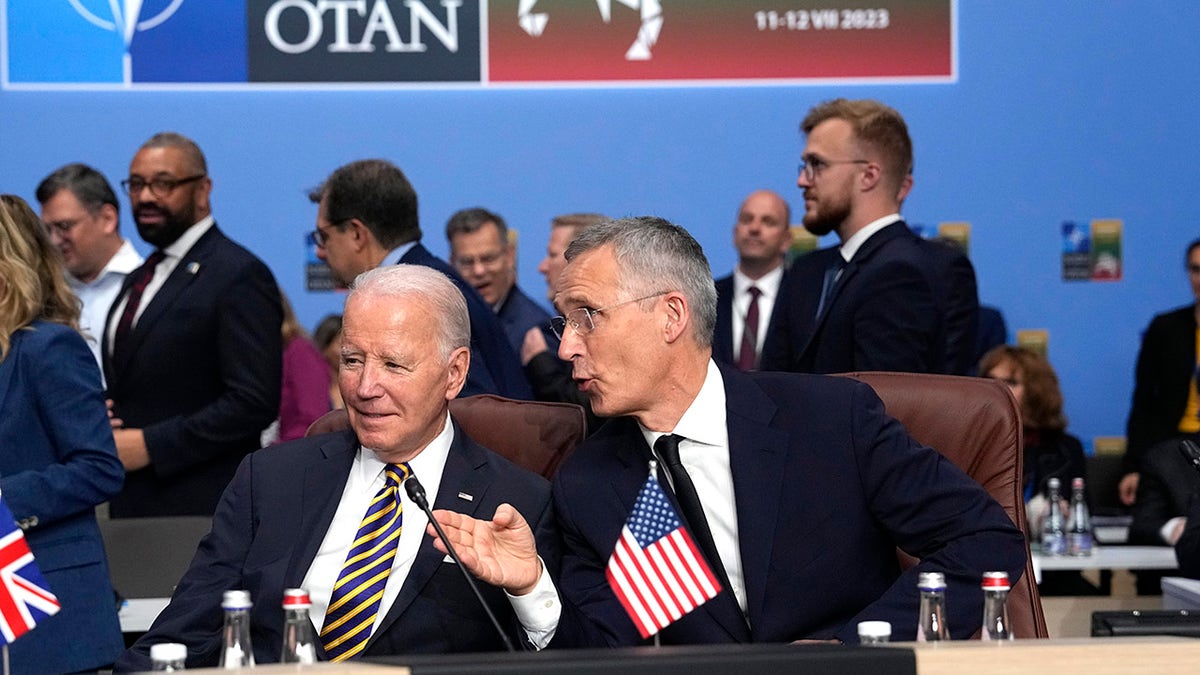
column 826, row 486
column 272, row 519
column 518, row 314
column 495, row 368
column 58, row 462
column 201, row 377
column 902, row 304
column 723, row 349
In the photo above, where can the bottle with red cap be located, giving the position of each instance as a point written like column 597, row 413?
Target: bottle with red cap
column 299, row 642
column 995, row 607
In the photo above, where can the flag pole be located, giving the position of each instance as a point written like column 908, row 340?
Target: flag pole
column 5, row 650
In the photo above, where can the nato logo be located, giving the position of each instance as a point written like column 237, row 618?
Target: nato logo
column 125, row 42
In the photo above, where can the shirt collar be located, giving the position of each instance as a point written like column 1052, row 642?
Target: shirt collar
column 704, row 420
column 124, row 261
column 427, row 465
column 393, row 257
column 855, row 242
column 179, row 248
column 767, row 283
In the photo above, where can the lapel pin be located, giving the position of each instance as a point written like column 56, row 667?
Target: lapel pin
column 193, row 267
column 463, row 495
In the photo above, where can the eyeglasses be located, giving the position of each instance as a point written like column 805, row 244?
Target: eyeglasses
column 320, row 236
column 812, row 166
column 159, row 187
column 582, row 319
column 487, row 260
column 62, row 227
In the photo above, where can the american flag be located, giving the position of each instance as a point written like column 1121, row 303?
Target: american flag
column 656, row 570
column 25, row 598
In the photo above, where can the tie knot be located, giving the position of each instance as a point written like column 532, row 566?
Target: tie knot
column 754, row 292
column 156, row 257
column 395, row 474
column 667, row 447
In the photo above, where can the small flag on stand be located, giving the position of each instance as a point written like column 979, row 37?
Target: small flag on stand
column 656, row 570
column 25, row 598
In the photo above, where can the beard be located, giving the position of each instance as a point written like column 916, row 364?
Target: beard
column 827, row 217
column 165, row 232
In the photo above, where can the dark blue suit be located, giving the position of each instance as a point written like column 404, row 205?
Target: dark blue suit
column 826, row 487
column 495, row 368
column 201, row 377
column 902, row 304
column 58, row 462
column 723, row 349
column 518, row 314
column 272, row 520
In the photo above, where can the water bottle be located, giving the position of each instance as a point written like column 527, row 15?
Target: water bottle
column 874, row 632
column 1079, row 523
column 932, row 624
column 995, row 607
column 299, row 643
column 168, row 657
column 236, row 651
column 1054, row 533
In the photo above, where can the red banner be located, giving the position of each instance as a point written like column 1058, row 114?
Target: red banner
column 664, row 40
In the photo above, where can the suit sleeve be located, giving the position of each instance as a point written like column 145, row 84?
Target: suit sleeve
column 897, row 321
column 1162, row 494
column 1147, row 396
column 935, row 513
column 194, row 616
column 70, row 405
column 1187, row 549
column 250, row 350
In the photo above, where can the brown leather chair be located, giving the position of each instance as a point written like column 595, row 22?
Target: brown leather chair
column 975, row 423
column 536, row 435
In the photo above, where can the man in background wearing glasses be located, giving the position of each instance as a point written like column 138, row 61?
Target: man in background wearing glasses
column 885, row 299
column 81, row 212
column 481, row 252
column 192, row 348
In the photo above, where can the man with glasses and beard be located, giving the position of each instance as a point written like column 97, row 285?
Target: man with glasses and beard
column 191, row 349
column 885, row 299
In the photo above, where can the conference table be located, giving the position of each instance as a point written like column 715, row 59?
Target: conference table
column 1110, row 558
column 1095, row 656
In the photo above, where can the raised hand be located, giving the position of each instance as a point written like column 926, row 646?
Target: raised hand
column 501, row 552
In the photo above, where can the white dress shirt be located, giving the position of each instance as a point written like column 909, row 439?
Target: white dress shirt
column 855, row 242
column 98, row 295
column 537, row 611
column 704, row 452
column 768, row 285
column 171, row 257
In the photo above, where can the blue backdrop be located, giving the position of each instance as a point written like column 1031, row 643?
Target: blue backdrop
column 1061, row 111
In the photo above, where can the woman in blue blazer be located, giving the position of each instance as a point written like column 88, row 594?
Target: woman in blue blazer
column 57, row 458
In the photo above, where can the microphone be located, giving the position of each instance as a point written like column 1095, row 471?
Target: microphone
column 416, row 492
column 1190, row 452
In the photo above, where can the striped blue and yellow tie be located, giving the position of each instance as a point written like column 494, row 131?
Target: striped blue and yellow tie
column 359, row 588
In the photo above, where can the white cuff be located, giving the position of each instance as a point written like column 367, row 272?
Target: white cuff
column 538, row 610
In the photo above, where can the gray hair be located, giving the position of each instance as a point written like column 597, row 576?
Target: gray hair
column 654, row 255
column 418, row 281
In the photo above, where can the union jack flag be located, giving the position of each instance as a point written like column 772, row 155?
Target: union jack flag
column 25, row 598
column 656, row 570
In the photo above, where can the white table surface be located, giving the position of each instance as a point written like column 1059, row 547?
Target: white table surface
column 138, row 613
column 1112, row 558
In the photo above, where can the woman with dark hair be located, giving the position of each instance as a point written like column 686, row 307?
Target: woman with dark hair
column 57, row 457
column 1050, row 452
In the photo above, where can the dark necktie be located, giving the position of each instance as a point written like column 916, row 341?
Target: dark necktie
column 141, row 280
column 667, row 448
column 356, row 596
column 748, row 356
column 832, row 274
